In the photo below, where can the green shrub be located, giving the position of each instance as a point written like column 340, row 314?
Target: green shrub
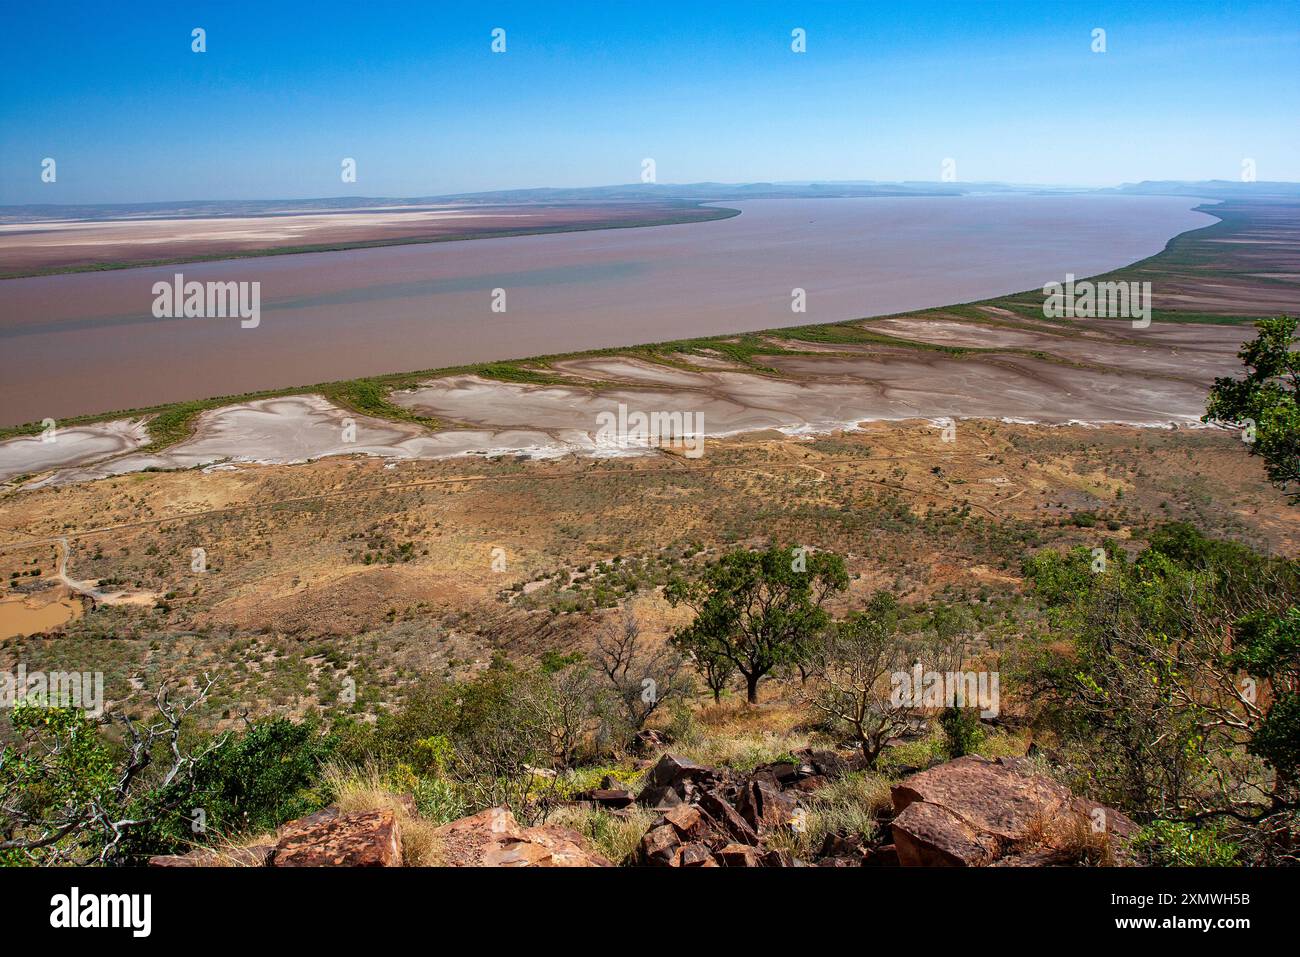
column 962, row 732
column 252, row 783
column 1171, row 844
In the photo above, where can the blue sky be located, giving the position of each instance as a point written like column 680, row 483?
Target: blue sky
column 712, row 91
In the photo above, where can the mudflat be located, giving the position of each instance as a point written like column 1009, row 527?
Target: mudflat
column 1091, row 374
column 37, row 247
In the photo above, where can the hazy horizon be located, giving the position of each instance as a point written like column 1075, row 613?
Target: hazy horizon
column 955, row 188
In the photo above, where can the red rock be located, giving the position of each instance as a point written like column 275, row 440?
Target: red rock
column 884, row 856
column 973, row 811
column 671, row 769
column 690, row 823
column 833, row 845
column 927, row 835
column 695, row 855
column 728, row 818
column 739, row 855
column 658, row 797
column 763, row 805
column 493, row 838
column 659, row 846
column 607, row 797
column 332, row 839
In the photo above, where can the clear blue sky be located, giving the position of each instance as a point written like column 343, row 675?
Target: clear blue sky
column 711, row 91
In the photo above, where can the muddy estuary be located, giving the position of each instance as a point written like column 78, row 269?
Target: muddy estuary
column 90, row 342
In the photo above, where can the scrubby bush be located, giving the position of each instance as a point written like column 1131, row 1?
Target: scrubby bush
column 961, row 730
column 1171, row 682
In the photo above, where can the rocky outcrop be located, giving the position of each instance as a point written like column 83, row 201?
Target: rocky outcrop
column 970, row 812
column 493, row 838
column 714, row 817
column 332, row 839
column 328, row 838
column 973, row 812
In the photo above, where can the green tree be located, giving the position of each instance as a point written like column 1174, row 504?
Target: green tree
column 757, row 609
column 1267, row 647
column 251, row 782
column 54, row 783
column 1264, row 401
column 68, row 796
column 1142, row 675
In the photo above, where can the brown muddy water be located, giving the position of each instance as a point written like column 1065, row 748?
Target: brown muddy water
column 89, row 342
column 21, row 615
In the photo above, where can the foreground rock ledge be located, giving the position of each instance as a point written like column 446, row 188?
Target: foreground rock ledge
column 973, row 812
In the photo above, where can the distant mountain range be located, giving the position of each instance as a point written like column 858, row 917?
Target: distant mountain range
column 629, row 192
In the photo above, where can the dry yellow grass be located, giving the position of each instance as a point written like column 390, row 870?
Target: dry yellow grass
column 613, row 835
column 743, row 737
column 844, row 807
column 1073, row 834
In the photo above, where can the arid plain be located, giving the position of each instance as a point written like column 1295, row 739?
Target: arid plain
column 476, row 509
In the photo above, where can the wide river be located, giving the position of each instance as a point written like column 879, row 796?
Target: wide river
column 89, row 342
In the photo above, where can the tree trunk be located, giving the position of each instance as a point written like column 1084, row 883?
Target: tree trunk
column 871, row 752
column 751, row 688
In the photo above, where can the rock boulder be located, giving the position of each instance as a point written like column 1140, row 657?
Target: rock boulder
column 493, row 838
column 973, row 812
column 333, row 839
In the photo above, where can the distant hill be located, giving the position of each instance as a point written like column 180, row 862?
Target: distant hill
column 625, row 192
column 1212, row 188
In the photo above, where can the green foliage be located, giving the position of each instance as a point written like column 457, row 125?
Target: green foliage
column 1149, row 701
column 757, row 610
column 437, row 800
column 962, row 731
column 1267, row 647
column 553, row 661
column 59, row 762
column 1173, row 844
column 1264, row 401
column 251, row 783
column 120, row 804
column 1060, row 578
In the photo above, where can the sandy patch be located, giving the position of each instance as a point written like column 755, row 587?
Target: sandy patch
column 1009, row 387
column 295, row 429
column 75, row 445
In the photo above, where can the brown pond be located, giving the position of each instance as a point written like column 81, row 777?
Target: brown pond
column 20, row 615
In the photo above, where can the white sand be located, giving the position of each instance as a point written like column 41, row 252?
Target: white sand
column 70, row 446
